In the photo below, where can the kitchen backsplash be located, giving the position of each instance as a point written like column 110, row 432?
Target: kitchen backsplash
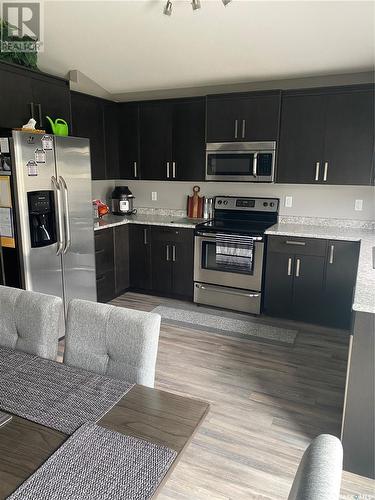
column 307, row 201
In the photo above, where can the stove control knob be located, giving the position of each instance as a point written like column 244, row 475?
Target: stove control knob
column 226, row 202
column 272, row 204
column 265, row 204
column 219, row 202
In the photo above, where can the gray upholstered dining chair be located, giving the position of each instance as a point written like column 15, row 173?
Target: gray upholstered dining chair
column 31, row 322
column 118, row 342
column 319, row 473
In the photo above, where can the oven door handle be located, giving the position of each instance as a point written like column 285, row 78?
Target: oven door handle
column 212, row 236
column 226, row 291
column 255, row 165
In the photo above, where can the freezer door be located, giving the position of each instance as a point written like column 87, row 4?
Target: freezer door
column 74, row 174
column 41, row 266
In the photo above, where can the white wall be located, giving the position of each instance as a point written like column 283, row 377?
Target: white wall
column 310, row 201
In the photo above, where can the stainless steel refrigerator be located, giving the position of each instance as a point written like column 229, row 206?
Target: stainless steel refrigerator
column 53, row 214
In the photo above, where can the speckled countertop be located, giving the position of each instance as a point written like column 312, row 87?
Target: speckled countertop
column 364, row 296
column 146, row 218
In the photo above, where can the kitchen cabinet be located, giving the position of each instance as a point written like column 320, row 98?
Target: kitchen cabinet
column 305, row 281
column 172, row 145
column 88, row 121
column 105, row 265
column 140, row 257
column 129, row 140
column 121, row 258
column 341, row 272
column 111, row 139
column 172, row 261
column 251, row 116
column 29, row 94
column 326, row 136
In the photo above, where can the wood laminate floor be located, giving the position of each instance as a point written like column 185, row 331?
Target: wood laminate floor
column 267, row 403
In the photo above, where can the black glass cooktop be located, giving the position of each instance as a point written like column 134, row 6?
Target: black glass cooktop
column 253, row 228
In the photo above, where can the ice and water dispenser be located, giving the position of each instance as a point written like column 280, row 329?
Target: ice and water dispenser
column 41, row 218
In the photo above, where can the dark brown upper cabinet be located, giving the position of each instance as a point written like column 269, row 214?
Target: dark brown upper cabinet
column 29, row 94
column 129, row 140
column 252, row 116
column 171, row 139
column 327, row 136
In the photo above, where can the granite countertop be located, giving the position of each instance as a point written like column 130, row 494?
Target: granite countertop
column 148, row 219
column 364, row 296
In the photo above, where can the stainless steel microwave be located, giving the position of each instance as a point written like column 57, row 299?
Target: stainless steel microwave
column 240, row 161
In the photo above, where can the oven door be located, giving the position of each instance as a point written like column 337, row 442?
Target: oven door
column 248, row 166
column 206, row 269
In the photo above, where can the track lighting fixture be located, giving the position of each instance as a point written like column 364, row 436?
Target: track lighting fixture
column 196, row 4
column 168, row 8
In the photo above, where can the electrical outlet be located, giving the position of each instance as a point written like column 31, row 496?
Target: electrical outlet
column 154, row 196
column 289, row 201
column 358, row 205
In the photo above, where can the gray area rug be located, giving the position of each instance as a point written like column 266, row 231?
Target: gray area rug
column 99, row 464
column 54, row 394
column 224, row 323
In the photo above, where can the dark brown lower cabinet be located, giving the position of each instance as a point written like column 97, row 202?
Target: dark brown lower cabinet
column 311, row 280
column 104, row 260
column 140, row 257
column 172, row 261
column 121, row 258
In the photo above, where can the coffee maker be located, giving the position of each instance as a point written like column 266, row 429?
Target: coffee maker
column 41, row 218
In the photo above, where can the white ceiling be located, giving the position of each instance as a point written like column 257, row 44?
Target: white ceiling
column 130, row 46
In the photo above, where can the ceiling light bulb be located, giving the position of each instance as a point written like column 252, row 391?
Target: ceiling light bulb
column 168, row 8
column 225, row 2
column 196, row 4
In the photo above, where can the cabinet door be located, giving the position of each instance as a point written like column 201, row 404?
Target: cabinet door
column 279, row 284
column 16, row 98
column 51, row 99
column 140, row 256
column 341, row 271
column 308, row 288
column 259, row 118
column 111, row 139
column 104, row 260
column 129, row 141
column 301, row 139
column 162, row 248
column 183, row 263
column 349, row 141
column 87, row 121
column 156, row 140
column 223, row 119
column 189, row 140
column 121, row 252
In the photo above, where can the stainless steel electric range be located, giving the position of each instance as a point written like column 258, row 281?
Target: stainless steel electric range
column 229, row 253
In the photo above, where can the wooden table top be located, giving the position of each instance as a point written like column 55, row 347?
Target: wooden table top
column 157, row 416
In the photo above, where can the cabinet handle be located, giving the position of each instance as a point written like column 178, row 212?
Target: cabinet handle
column 290, row 266
column 167, row 169
column 145, row 236
column 135, row 169
column 40, row 115
column 174, row 169
column 331, row 254
column 235, row 129
column 168, row 253
column 298, row 267
column 325, row 175
column 243, row 128
column 317, row 168
column 173, row 253
column 32, row 109
column 291, row 242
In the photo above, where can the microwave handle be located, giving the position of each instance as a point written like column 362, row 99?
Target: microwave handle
column 255, row 165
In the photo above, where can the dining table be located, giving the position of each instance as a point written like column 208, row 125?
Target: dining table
column 154, row 415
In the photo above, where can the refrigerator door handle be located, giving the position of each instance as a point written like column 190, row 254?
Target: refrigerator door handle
column 57, row 190
column 68, row 239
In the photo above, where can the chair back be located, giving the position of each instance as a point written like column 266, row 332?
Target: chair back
column 31, row 322
column 319, row 473
column 121, row 343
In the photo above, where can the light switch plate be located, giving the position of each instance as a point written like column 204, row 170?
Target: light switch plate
column 154, row 196
column 289, row 201
column 358, row 205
